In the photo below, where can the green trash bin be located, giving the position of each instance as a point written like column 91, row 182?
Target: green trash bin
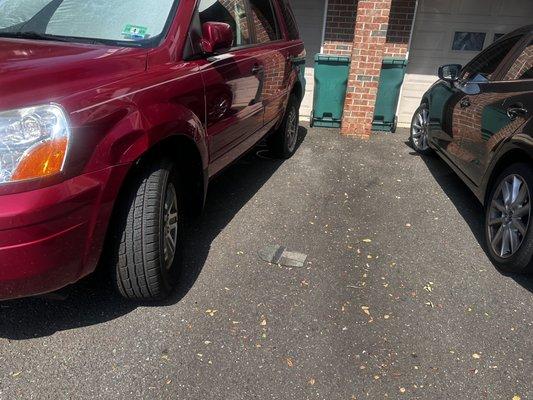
column 331, row 81
column 390, row 83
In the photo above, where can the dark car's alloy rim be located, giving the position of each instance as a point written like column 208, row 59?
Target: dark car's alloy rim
column 420, row 129
column 170, row 225
column 292, row 129
column 509, row 215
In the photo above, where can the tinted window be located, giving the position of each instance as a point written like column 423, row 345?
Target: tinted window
column 232, row 12
column 290, row 21
column 522, row 67
column 487, row 62
column 266, row 27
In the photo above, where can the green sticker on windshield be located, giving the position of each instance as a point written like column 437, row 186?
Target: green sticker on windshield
column 135, row 32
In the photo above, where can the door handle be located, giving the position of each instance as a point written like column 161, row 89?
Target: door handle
column 465, row 102
column 257, row 69
column 515, row 111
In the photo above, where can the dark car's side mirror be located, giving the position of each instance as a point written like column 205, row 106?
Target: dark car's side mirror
column 216, row 36
column 450, row 72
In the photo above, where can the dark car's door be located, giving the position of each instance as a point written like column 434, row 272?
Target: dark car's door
column 232, row 80
column 497, row 111
column 456, row 109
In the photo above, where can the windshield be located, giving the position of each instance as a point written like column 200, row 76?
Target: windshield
column 135, row 21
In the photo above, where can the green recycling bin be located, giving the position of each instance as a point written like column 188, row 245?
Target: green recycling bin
column 390, row 83
column 331, row 81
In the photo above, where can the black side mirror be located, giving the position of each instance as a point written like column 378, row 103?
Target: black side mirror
column 450, row 72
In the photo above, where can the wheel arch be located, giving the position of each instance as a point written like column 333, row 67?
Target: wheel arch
column 297, row 90
column 512, row 156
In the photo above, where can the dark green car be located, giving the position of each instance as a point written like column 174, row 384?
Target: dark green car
column 478, row 119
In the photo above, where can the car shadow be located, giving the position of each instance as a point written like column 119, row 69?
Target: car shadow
column 93, row 301
column 466, row 204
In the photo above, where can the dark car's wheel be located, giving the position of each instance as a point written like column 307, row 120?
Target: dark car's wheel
column 283, row 141
column 509, row 237
column 420, row 130
column 146, row 254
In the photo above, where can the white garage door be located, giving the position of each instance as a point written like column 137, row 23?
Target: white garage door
column 450, row 31
column 310, row 17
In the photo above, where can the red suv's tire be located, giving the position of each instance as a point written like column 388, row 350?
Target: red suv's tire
column 284, row 141
column 146, row 253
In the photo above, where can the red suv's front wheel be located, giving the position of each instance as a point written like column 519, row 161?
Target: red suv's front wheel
column 146, row 252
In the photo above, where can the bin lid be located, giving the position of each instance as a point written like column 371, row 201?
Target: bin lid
column 395, row 61
column 332, row 58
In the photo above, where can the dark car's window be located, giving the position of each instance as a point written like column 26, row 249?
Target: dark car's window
column 290, row 21
column 232, row 12
column 266, row 27
column 488, row 61
column 522, row 67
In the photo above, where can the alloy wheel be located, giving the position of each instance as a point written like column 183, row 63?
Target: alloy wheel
column 292, row 129
column 509, row 216
column 170, row 225
column 420, row 129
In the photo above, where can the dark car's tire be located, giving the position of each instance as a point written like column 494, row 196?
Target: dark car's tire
column 146, row 253
column 508, row 219
column 418, row 135
column 283, row 142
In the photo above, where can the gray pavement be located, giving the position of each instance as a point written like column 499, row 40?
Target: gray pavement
column 397, row 298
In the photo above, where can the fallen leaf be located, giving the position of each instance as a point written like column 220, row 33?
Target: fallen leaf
column 312, row 381
column 402, row 390
column 290, row 363
column 517, row 397
column 263, row 322
column 476, row 356
column 211, row 313
column 367, row 240
column 15, row 374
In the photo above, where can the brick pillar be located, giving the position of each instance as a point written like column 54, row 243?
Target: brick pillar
column 367, row 55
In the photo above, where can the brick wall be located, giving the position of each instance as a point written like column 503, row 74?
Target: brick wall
column 340, row 26
column 382, row 29
column 399, row 29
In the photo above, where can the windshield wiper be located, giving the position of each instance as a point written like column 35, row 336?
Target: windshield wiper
column 32, row 36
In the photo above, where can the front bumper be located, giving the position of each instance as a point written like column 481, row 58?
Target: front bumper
column 52, row 237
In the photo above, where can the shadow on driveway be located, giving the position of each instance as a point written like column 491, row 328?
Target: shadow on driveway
column 93, row 301
column 467, row 204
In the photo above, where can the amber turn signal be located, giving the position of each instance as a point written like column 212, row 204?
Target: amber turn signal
column 44, row 159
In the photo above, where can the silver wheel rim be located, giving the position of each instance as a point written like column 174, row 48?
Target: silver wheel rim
column 420, row 129
column 509, row 215
column 292, row 130
column 170, row 225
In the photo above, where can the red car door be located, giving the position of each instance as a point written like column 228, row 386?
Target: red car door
column 274, row 56
column 232, row 81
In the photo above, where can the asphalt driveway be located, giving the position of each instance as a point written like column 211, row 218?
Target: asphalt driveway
column 397, row 298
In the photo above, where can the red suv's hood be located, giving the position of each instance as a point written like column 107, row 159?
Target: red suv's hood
column 37, row 72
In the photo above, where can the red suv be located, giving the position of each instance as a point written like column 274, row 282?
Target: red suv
column 115, row 115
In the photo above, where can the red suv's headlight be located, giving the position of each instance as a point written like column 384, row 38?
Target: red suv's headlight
column 33, row 142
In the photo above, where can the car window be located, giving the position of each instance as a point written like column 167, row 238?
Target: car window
column 290, row 20
column 231, row 12
column 264, row 20
column 522, row 67
column 489, row 60
column 134, row 20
